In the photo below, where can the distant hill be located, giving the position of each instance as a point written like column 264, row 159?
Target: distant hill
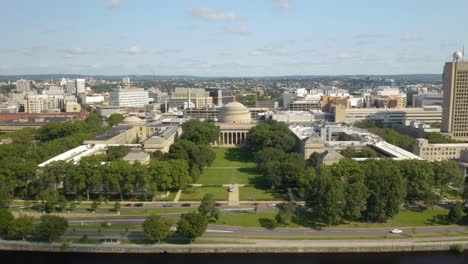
column 42, row 77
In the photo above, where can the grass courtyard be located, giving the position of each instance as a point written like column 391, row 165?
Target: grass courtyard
column 252, row 193
column 232, row 165
column 197, row 193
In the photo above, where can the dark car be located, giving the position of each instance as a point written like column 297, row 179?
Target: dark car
column 185, row 205
column 138, row 205
column 218, row 204
column 128, row 205
column 167, row 205
column 38, row 207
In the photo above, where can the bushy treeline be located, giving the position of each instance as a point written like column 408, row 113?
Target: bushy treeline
column 18, row 161
column 372, row 190
column 108, row 175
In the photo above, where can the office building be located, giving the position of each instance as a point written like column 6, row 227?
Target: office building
column 455, row 103
column 23, row 86
column 80, row 86
column 130, row 97
column 190, row 98
column 70, row 87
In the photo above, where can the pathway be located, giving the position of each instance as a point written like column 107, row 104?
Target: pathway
column 233, row 199
column 177, row 197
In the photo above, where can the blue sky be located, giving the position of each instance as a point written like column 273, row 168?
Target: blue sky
column 230, row 38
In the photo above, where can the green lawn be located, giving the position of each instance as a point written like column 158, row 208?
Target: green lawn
column 221, row 176
column 402, row 219
column 232, row 165
column 197, row 193
column 233, row 157
column 252, row 193
column 409, row 219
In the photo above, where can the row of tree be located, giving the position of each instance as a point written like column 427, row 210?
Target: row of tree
column 190, row 225
column 22, row 227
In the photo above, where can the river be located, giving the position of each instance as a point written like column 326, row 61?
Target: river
column 361, row 258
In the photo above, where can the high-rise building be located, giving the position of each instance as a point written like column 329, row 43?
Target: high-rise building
column 70, row 87
column 126, row 81
column 131, row 97
column 80, row 86
column 455, row 102
column 23, row 86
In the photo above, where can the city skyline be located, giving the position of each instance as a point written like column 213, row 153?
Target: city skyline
column 242, row 38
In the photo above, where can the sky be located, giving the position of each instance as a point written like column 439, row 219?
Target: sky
column 230, row 37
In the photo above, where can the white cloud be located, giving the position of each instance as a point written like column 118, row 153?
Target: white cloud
column 344, row 56
column 204, row 13
column 134, row 50
column 282, row 3
column 237, row 30
column 269, row 51
column 113, row 4
column 74, row 51
column 369, row 36
column 411, row 37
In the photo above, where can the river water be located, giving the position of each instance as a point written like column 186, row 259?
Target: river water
column 358, row 258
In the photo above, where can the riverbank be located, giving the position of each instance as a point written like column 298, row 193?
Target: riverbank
column 247, row 246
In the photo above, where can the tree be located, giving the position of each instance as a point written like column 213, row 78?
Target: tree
column 455, row 214
column 208, row 207
column 192, row 225
column 314, row 160
column 387, row 189
column 446, row 172
column 117, row 206
column 114, row 119
column 51, row 199
column 156, row 227
column 116, row 152
column 200, row 132
column 432, row 199
column 270, row 134
column 179, row 173
column 419, row 176
column 356, row 195
column 21, row 227
column 94, row 205
column 52, row 227
column 326, row 197
column 88, row 174
column 6, row 218
column 285, row 214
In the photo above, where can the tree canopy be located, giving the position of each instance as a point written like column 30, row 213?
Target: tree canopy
column 271, row 134
column 200, row 132
column 52, row 227
column 192, row 225
column 156, row 227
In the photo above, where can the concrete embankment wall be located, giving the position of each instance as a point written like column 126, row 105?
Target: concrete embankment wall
column 287, row 247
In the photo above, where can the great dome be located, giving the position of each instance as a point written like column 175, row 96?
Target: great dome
column 234, row 112
column 132, row 121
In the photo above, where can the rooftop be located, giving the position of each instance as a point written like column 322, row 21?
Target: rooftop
column 111, row 133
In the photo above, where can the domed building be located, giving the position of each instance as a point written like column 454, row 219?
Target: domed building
column 234, row 123
column 234, row 113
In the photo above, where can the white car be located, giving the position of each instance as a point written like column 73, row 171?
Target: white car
column 271, row 204
column 396, row 231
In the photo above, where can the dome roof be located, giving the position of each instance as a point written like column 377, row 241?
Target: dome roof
column 234, row 112
column 132, row 120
